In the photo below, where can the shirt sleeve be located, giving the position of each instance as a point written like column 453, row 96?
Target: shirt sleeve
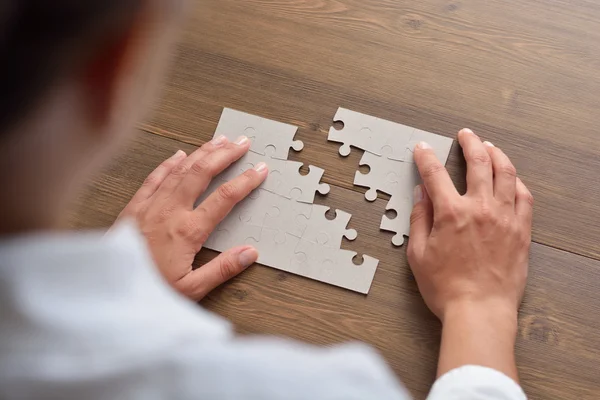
column 476, row 383
column 269, row 369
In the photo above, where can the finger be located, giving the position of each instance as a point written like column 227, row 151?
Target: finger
column 480, row 177
column 157, row 177
column 435, row 177
column 220, row 203
column 198, row 283
column 505, row 175
column 524, row 203
column 421, row 222
column 203, row 170
column 180, row 171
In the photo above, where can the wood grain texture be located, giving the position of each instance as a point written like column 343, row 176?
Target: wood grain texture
column 557, row 349
column 524, row 75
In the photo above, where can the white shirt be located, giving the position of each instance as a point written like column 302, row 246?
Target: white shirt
column 88, row 316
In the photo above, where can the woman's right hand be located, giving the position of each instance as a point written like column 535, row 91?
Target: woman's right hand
column 472, row 248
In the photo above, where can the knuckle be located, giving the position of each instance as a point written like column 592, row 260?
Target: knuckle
column 202, row 210
column 164, row 214
column 526, row 240
column 410, row 251
column 151, row 180
column 201, row 167
column 180, row 170
column 432, row 170
column 507, row 224
column 479, row 158
column 249, row 176
column 201, row 236
column 416, row 215
column 449, row 212
column 228, row 192
column 528, row 197
column 227, row 269
column 508, row 169
column 484, row 213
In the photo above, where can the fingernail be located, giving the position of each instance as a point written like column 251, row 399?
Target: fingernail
column 488, row 144
column 242, row 140
column 424, row 146
column 180, row 154
column 248, row 257
column 467, row 130
column 418, row 194
column 260, row 167
column 219, row 141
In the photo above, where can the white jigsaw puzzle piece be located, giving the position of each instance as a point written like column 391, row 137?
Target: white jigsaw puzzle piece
column 282, row 173
column 441, row 145
column 385, row 175
column 231, row 233
column 284, row 177
column 288, row 216
column 396, row 137
column 333, row 266
column 358, row 131
column 384, row 138
column 305, row 186
column 276, row 248
column 403, row 206
column 245, row 220
column 325, row 232
column 270, row 138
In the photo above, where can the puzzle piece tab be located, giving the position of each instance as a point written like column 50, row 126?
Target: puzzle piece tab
column 385, row 175
column 384, row 138
column 372, row 134
column 325, row 232
column 304, row 188
column 271, row 138
column 403, row 206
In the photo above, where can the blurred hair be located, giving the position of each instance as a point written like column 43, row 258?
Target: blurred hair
column 43, row 41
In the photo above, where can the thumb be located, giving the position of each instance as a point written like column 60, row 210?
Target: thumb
column 421, row 221
column 198, row 283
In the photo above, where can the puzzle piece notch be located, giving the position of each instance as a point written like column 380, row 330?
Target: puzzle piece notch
column 385, row 175
column 304, row 188
column 384, row 138
column 372, row 134
column 270, row 138
column 400, row 225
column 333, row 266
column 326, row 232
column 358, row 131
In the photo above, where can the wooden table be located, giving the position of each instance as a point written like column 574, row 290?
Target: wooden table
column 523, row 74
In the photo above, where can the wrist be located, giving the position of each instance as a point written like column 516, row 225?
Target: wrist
column 490, row 311
column 479, row 333
column 488, row 318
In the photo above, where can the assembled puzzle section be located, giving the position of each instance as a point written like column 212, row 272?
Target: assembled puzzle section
column 270, row 138
column 389, row 149
column 279, row 218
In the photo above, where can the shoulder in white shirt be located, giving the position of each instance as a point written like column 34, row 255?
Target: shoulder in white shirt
column 87, row 316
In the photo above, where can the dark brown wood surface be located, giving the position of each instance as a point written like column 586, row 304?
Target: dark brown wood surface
column 524, row 75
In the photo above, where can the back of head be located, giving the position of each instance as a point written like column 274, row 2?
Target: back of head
column 42, row 42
